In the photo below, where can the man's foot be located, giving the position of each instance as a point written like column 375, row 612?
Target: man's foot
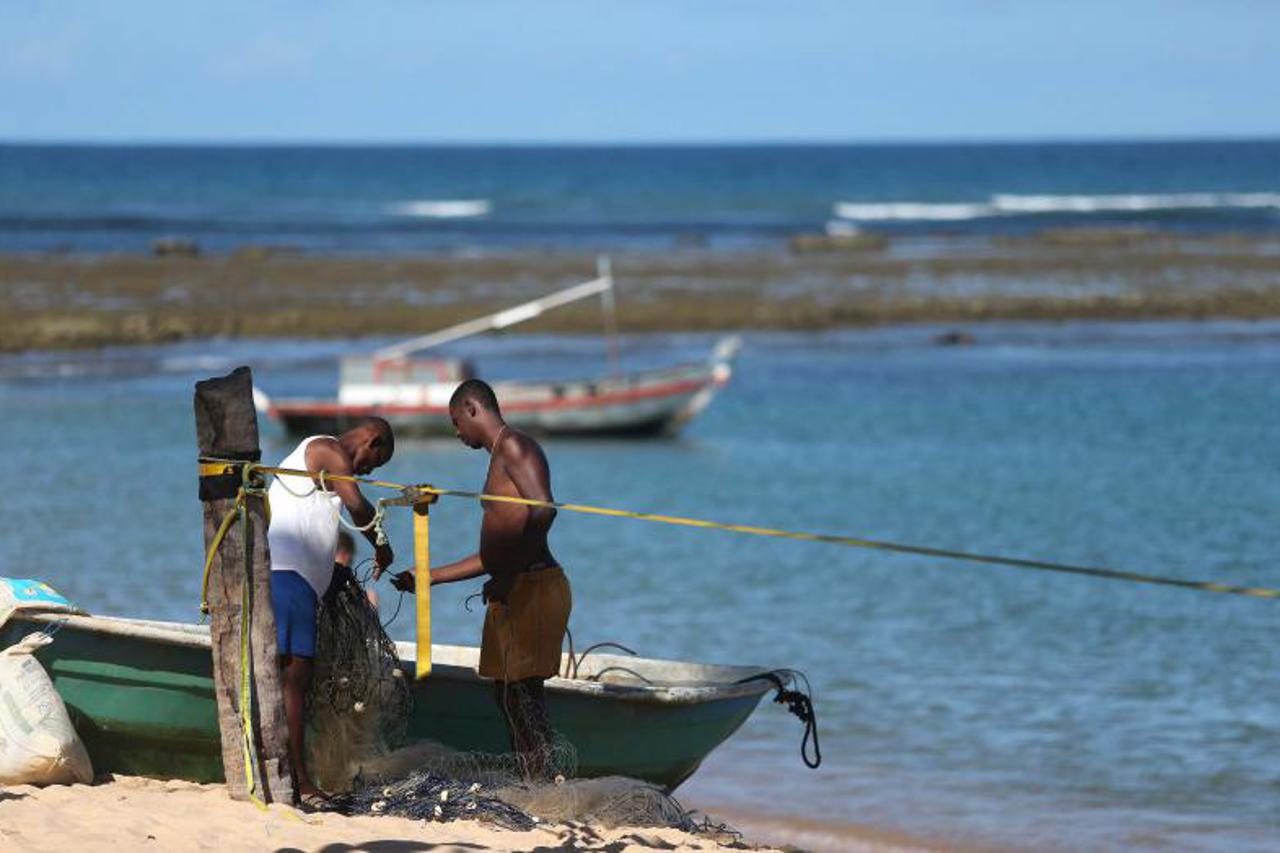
column 312, row 799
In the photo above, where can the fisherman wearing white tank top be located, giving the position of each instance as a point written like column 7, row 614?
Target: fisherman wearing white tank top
column 304, row 525
column 303, row 536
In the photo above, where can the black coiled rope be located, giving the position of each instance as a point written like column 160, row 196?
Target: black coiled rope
column 799, row 701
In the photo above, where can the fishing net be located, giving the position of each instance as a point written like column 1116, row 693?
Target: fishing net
column 429, row 780
column 359, row 702
column 513, row 803
column 424, row 795
column 608, row 802
column 358, row 709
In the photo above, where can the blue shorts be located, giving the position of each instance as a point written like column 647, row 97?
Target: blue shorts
column 295, row 605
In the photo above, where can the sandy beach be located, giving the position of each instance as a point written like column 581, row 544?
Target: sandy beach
column 76, row 301
column 132, row 813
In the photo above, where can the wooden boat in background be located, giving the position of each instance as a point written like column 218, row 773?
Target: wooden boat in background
column 412, row 392
column 141, row 696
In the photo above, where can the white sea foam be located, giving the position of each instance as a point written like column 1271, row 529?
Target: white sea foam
column 1015, row 205
column 909, row 210
column 444, row 208
column 1136, row 202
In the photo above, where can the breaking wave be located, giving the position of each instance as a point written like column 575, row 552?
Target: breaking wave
column 444, row 208
column 1028, row 205
column 909, row 210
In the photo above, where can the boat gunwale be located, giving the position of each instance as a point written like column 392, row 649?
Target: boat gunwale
column 196, row 636
column 682, row 388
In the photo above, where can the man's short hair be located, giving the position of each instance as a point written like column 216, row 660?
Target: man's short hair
column 477, row 390
column 380, row 428
column 346, row 542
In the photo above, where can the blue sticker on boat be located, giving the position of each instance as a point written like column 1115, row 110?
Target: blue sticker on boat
column 27, row 591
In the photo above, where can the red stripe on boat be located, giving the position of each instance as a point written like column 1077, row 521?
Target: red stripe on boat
column 580, row 402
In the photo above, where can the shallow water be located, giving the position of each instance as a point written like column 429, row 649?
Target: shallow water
column 957, row 702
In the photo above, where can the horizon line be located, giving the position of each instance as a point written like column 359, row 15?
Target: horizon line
column 270, row 142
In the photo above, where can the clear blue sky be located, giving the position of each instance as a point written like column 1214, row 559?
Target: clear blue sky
column 658, row 70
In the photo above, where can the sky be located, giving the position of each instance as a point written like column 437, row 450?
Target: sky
column 418, row 71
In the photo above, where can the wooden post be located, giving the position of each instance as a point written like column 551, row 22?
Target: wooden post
column 227, row 428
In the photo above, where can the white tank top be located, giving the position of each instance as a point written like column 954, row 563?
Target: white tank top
column 303, row 534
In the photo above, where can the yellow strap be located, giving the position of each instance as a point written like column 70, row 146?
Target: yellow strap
column 422, row 584
column 215, row 469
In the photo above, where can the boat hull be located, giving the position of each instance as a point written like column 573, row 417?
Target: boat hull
column 647, row 404
column 407, row 422
column 141, row 696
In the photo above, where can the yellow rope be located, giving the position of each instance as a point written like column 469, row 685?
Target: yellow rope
column 830, row 539
column 249, row 753
column 213, row 550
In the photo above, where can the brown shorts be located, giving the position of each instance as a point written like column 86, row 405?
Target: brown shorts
column 522, row 638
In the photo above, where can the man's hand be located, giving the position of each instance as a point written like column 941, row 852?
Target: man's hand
column 342, row 577
column 405, row 582
column 383, row 557
column 497, row 589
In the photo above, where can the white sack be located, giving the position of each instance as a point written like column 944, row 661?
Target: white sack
column 38, row 745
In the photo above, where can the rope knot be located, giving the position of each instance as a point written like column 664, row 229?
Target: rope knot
column 798, row 702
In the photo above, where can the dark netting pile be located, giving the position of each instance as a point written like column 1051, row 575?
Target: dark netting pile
column 428, row 796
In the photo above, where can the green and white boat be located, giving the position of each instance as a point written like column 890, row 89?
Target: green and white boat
column 141, row 695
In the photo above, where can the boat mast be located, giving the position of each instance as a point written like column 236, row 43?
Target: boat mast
column 500, row 320
column 604, row 270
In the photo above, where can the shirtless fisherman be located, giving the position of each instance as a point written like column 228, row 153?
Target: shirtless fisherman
column 527, row 592
column 303, row 536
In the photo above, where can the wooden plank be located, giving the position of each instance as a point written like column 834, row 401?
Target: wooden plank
column 227, row 427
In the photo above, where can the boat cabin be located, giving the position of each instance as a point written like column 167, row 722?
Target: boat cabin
column 365, row 380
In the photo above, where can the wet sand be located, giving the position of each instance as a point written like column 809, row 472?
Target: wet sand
column 70, row 301
column 131, row 813
column 825, row 837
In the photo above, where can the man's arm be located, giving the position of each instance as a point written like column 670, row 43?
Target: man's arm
column 527, row 467
column 327, row 456
column 459, row 570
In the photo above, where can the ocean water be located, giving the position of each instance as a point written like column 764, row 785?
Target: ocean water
column 407, row 199
column 959, row 703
